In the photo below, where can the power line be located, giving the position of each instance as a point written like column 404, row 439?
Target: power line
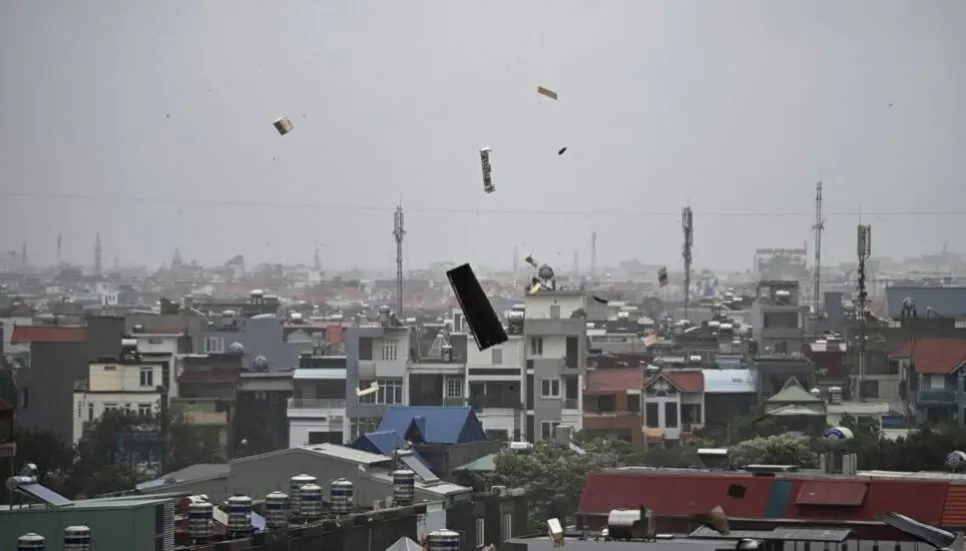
column 455, row 210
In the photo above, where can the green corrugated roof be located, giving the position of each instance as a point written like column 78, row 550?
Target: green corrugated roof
column 130, row 502
column 485, row 464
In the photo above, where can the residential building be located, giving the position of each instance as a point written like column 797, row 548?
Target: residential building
column 778, row 317
column 495, row 384
column 59, row 356
column 259, row 336
column 612, row 403
column 256, row 304
column 796, row 408
column 728, row 394
column 943, row 302
column 14, row 314
column 376, row 353
column 317, row 409
column 261, row 416
column 207, row 394
column 126, row 382
column 673, row 404
column 437, row 372
column 556, row 359
column 774, row 371
column 934, row 370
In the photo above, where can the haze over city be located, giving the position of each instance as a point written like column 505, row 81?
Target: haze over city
column 151, row 124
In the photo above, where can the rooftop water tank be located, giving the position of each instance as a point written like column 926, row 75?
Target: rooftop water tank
column 443, row 540
column 77, row 538
column 276, row 511
column 341, row 496
column 295, row 483
column 403, row 486
column 31, row 542
column 310, row 501
column 239, row 514
column 199, row 520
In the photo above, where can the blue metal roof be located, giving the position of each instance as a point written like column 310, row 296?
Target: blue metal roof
column 383, row 443
column 945, row 301
column 434, row 424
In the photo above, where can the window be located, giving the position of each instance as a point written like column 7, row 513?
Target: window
column 365, row 348
column 24, row 398
column 607, row 403
column 651, row 414
column 497, row 356
column 110, row 367
column 870, row 389
column 390, row 350
column 548, row 429
column 634, row 403
column 507, row 526
column 144, row 410
column 214, row 345
column 147, row 376
column 480, row 536
column 536, row 346
column 109, row 406
column 671, row 415
column 390, row 392
column 90, row 411
column 454, row 387
column 554, row 311
column 550, row 388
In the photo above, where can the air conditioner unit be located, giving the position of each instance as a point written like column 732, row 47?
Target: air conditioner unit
column 377, row 505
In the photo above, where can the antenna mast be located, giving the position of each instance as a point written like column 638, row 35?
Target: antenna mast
column 593, row 254
column 819, row 227
column 399, row 232
column 687, row 225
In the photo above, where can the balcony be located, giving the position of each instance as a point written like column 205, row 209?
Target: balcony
column 612, row 414
column 454, row 401
column 496, row 401
column 936, row 397
column 571, row 403
column 315, row 407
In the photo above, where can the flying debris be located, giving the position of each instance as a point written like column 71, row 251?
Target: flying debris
column 484, row 324
column 283, row 125
column 662, row 277
column 373, row 388
column 546, row 92
column 488, row 186
column 600, row 300
column 562, row 151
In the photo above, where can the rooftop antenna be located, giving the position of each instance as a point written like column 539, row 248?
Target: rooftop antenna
column 687, row 226
column 399, row 232
column 97, row 254
column 819, row 227
column 60, row 242
column 593, row 254
column 864, row 250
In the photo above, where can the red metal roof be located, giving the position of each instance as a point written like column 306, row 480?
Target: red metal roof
column 686, row 381
column 832, row 492
column 620, row 378
column 48, row 333
column 934, row 356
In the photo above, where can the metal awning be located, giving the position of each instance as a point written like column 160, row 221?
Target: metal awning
column 832, row 493
column 822, row 535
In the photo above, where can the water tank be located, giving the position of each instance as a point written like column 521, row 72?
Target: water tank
column 310, row 501
column 199, row 520
column 341, row 496
column 403, row 486
column 77, row 538
column 276, row 511
column 443, row 540
column 239, row 514
column 31, row 542
column 835, row 395
column 294, row 484
column 955, row 461
column 620, row 523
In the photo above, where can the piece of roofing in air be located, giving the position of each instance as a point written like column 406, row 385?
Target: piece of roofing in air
column 933, row 356
column 48, row 334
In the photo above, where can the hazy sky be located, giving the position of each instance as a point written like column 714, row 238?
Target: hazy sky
column 113, row 112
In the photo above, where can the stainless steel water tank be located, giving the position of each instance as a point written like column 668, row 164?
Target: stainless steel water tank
column 341, row 496
column 276, row 511
column 294, row 484
column 31, row 542
column 620, row 523
column 403, row 486
column 77, row 538
column 199, row 520
column 444, row 540
column 239, row 514
column 310, row 501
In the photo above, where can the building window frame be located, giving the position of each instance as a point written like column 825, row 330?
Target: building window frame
column 390, row 350
column 548, row 429
column 214, row 345
column 507, row 526
column 480, row 533
column 147, row 377
column 536, row 346
column 550, row 388
column 390, row 392
column 496, row 356
column 454, row 387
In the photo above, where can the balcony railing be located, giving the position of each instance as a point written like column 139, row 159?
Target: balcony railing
column 507, row 401
column 937, row 396
column 571, row 403
column 588, row 413
column 454, row 401
column 315, row 403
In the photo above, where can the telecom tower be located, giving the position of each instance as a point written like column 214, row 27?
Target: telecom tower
column 60, row 242
column 399, row 232
column 593, row 254
column 516, row 261
column 864, row 250
column 819, row 227
column 97, row 254
column 23, row 254
column 687, row 225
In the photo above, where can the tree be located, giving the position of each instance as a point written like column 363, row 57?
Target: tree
column 781, row 449
column 578, row 314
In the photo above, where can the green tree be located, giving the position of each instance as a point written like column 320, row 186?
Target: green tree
column 579, row 313
column 781, row 449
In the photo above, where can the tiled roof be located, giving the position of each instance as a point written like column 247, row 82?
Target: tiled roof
column 48, row 333
column 933, row 356
column 686, row 381
column 620, row 378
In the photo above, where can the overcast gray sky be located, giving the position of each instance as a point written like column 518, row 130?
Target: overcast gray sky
column 118, row 108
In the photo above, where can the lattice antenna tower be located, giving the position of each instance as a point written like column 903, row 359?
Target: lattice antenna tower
column 819, row 228
column 399, row 233
column 687, row 226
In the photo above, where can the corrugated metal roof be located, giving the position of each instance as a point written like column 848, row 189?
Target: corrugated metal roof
column 349, row 454
column 954, row 509
column 948, row 302
column 728, row 381
column 832, row 493
column 436, row 424
column 48, row 334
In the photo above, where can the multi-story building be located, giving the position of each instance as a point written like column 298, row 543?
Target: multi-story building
column 207, row 393
column 612, row 403
column 376, row 353
column 261, row 416
column 778, row 317
column 317, row 409
column 674, row 403
column 556, row 357
column 495, row 382
column 126, row 382
column 261, row 335
column 437, row 372
column 934, row 371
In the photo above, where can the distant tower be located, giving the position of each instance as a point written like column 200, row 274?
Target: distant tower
column 60, row 242
column 819, row 227
column 176, row 260
column 593, row 254
column 117, row 263
column 516, row 260
column 576, row 263
column 97, row 254
column 399, row 233
column 687, row 226
column 316, row 262
column 23, row 254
